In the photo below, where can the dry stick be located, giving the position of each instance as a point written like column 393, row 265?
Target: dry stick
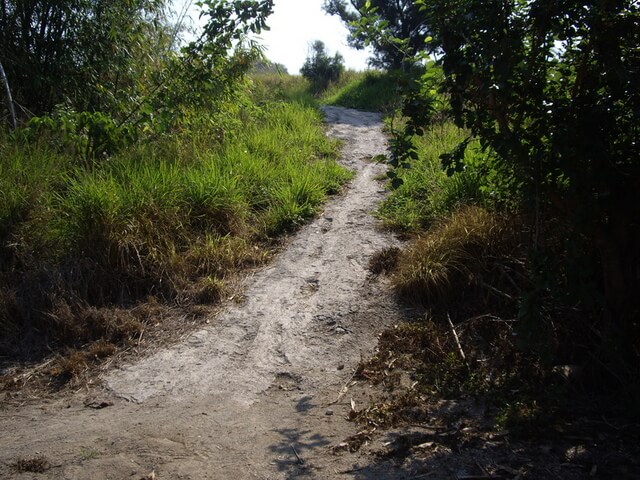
column 495, row 290
column 300, row 460
column 352, row 470
column 344, row 389
column 455, row 336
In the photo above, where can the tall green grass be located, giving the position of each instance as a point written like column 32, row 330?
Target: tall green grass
column 282, row 86
column 427, row 193
column 186, row 210
column 26, row 172
column 370, row 91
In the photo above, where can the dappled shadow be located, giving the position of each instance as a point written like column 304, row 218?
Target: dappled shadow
column 304, row 404
column 458, row 440
column 493, row 460
column 291, row 451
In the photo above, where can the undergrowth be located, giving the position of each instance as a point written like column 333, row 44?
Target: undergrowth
column 494, row 330
column 427, row 193
column 172, row 218
column 449, row 260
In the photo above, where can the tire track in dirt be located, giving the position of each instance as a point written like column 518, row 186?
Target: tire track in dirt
column 253, row 395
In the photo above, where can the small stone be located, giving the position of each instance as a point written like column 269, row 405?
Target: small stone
column 329, row 412
column 341, row 366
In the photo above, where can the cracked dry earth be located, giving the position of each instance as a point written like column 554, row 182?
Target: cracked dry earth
column 255, row 394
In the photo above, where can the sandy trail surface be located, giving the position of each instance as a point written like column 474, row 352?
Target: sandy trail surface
column 256, row 394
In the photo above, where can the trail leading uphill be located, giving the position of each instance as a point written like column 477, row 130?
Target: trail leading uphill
column 256, row 393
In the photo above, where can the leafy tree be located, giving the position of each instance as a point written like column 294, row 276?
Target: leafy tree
column 85, row 52
column 551, row 88
column 209, row 69
column 400, row 18
column 267, row 66
column 321, row 69
column 145, row 86
column 119, row 56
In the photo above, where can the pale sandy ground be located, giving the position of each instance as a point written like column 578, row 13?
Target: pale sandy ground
column 256, row 394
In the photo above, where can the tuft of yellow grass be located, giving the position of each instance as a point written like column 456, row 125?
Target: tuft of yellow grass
column 450, row 256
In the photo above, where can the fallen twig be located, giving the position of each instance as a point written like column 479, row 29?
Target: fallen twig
column 344, row 389
column 495, row 290
column 455, row 336
column 300, row 460
column 352, row 470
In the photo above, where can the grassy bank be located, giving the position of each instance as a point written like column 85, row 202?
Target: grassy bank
column 172, row 218
column 371, row 91
column 427, row 193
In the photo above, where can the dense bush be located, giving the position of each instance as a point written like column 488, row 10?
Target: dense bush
column 547, row 92
column 321, row 69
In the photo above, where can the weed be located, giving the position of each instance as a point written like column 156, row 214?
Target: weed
column 88, row 453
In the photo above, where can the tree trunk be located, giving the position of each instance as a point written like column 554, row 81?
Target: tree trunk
column 7, row 93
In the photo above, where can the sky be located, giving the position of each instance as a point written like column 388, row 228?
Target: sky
column 295, row 24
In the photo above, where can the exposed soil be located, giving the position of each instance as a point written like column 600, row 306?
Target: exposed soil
column 267, row 389
column 258, row 393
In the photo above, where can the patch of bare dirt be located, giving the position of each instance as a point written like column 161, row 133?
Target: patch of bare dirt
column 262, row 391
column 282, row 384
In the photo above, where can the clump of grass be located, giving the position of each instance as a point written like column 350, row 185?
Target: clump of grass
column 294, row 202
column 209, row 290
column 384, row 261
column 449, row 257
column 76, row 324
column 216, row 255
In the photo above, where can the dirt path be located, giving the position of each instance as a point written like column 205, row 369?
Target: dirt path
column 256, row 394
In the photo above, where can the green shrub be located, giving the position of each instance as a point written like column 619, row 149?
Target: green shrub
column 426, row 192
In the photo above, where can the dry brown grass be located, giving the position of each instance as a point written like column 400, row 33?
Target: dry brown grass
column 451, row 256
column 221, row 255
column 384, row 261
